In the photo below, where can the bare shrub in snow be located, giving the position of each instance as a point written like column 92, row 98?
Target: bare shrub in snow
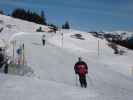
column 78, row 36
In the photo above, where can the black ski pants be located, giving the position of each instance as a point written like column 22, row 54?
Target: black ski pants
column 82, row 80
column 43, row 42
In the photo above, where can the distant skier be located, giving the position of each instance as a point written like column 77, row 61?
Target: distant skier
column 43, row 40
column 19, row 55
column 81, row 69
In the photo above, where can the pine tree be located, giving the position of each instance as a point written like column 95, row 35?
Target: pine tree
column 1, row 12
column 43, row 17
column 66, row 25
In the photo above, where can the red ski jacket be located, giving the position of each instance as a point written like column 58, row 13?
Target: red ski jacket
column 81, row 68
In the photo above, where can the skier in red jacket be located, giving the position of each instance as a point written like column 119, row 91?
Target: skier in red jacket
column 81, row 69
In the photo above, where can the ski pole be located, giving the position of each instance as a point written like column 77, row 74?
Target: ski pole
column 76, row 81
column 90, row 80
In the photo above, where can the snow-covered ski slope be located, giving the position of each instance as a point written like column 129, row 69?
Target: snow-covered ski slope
column 11, row 26
column 54, row 78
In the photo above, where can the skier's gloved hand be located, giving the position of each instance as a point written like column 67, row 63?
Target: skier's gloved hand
column 76, row 72
column 86, row 72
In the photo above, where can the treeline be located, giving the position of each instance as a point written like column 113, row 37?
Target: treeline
column 35, row 17
column 29, row 16
column 115, row 38
column 118, row 39
column 128, row 43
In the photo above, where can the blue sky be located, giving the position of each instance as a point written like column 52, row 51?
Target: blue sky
column 109, row 15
